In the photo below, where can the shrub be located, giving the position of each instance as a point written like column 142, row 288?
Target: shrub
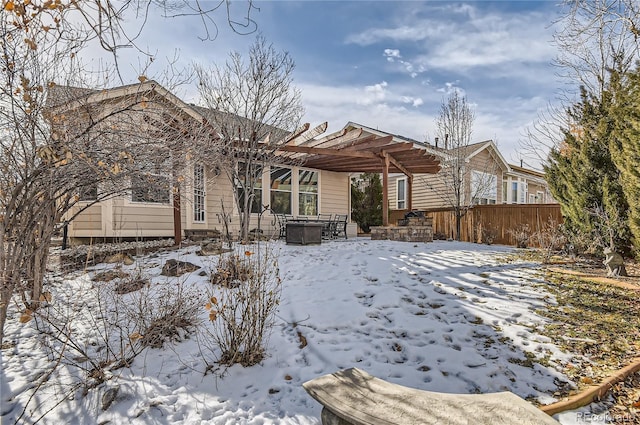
column 550, row 238
column 521, row 234
column 243, row 303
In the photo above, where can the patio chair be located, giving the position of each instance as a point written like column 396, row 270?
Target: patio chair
column 281, row 222
column 327, row 229
column 340, row 225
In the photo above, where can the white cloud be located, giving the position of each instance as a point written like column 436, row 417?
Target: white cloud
column 456, row 38
column 392, row 54
column 414, row 101
column 450, row 88
column 373, row 94
column 401, row 33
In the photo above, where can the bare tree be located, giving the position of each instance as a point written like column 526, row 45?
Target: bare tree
column 593, row 37
column 458, row 184
column 256, row 109
column 52, row 155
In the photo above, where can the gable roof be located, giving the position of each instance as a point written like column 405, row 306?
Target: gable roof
column 352, row 150
column 468, row 152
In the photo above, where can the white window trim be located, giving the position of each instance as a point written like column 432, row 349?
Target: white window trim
column 398, row 200
column 203, row 195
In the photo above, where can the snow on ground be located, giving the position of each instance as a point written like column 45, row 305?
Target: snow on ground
column 442, row 316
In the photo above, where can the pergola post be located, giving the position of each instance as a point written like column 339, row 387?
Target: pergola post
column 409, row 192
column 385, row 191
column 177, row 220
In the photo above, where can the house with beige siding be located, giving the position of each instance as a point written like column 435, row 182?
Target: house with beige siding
column 488, row 178
column 206, row 193
column 522, row 185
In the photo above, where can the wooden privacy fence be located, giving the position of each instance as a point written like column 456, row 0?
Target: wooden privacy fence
column 497, row 221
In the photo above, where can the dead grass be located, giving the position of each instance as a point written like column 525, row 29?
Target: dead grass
column 597, row 318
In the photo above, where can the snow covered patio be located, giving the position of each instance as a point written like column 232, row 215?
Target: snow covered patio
column 443, row 316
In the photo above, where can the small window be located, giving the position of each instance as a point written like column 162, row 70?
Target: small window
column 88, row 193
column 152, row 182
column 514, row 192
column 505, row 186
column 401, row 194
column 198, row 193
column 280, row 188
column 150, row 188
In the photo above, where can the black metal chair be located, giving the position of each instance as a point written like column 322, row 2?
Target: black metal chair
column 326, row 220
column 340, row 225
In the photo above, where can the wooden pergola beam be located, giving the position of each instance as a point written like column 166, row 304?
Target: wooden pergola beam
column 328, row 151
column 397, row 164
column 368, row 143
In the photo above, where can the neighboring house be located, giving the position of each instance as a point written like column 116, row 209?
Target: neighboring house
column 146, row 213
column 488, row 179
column 525, row 186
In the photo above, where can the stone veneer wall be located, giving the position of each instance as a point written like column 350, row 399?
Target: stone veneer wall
column 416, row 230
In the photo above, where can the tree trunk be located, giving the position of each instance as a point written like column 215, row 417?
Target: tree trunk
column 5, row 298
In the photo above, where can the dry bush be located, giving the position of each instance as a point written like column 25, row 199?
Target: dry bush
column 93, row 329
column 550, row 238
column 242, row 306
column 231, row 271
column 165, row 314
column 109, row 275
column 521, row 235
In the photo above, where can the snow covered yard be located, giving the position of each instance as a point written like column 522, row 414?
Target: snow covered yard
column 442, row 316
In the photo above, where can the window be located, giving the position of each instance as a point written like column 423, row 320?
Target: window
column 150, row 188
column 88, row 193
column 484, row 188
column 514, row 192
column 198, row 193
column 256, row 178
column 401, row 194
column 540, row 197
column 308, row 192
column 152, row 182
column 505, row 186
column 280, row 185
column 523, row 192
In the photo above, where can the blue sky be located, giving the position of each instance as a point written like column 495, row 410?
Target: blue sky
column 389, row 64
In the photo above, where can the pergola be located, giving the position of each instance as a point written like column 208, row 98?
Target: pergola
column 352, row 151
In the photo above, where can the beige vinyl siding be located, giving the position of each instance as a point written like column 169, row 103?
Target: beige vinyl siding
column 89, row 219
column 428, row 191
column 131, row 219
column 334, row 193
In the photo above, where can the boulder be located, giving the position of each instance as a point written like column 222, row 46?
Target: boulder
column 174, row 268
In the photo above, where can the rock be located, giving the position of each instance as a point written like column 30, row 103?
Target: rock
column 108, row 397
column 120, row 257
column 174, row 268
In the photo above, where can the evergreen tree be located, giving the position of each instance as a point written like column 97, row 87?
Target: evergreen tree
column 625, row 146
column 366, row 201
column 583, row 178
